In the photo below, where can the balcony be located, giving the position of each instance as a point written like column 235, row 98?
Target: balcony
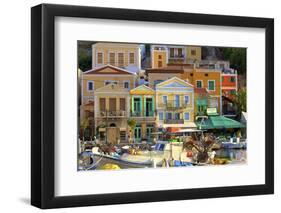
column 173, row 105
column 113, row 114
column 144, row 114
column 177, row 56
column 174, row 121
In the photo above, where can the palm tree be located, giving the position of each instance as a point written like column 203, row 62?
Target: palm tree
column 132, row 124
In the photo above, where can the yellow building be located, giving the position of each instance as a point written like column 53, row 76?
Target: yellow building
column 210, row 79
column 193, row 54
column 112, row 111
column 126, row 56
column 99, row 77
column 175, row 104
column 143, row 111
column 159, row 56
column 162, row 55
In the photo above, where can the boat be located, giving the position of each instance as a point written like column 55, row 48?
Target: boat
column 162, row 152
column 86, row 161
column 234, row 144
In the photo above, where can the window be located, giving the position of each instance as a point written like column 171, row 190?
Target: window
column 161, row 116
column 199, row 84
column 121, row 59
column 172, row 52
column 165, row 99
column 211, row 85
column 193, row 52
column 90, row 86
column 112, row 104
column 122, row 104
column 232, row 79
column 186, row 116
column 112, row 58
column 102, row 104
column 159, row 56
column 100, row 58
column 179, row 52
column 137, row 104
column 126, row 84
column 131, row 58
column 169, row 115
column 177, row 100
column 177, row 116
column 110, row 82
column 186, row 99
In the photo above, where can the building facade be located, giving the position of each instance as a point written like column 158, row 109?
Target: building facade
column 209, row 79
column 175, row 104
column 99, row 77
column 162, row 55
column 126, row 56
column 143, row 111
column 229, row 90
column 112, row 111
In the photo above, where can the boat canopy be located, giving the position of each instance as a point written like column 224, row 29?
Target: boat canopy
column 219, row 122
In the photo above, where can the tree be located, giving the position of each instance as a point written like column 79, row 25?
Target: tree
column 237, row 58
column 84, row 125
column 240, row 101
column 132, row 124
column 84, row 59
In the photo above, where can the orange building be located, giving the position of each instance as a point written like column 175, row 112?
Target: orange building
column 207, row 78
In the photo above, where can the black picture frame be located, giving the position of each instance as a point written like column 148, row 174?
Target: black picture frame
column 43, row 105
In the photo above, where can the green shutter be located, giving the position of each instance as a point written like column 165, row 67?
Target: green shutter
column 141, row 105
column 153, row 110
column 144, row 106
column 132, row 104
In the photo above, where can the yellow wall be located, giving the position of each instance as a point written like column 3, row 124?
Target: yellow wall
column 189, row 50
column 156, row 59
column 160, row 76
column 171, row 96
column 200, row 74
column 99, row 81
column 122, row 49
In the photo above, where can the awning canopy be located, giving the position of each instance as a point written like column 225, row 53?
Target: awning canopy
column 219, row 122
column 186, row 125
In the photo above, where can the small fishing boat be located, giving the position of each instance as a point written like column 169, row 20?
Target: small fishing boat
column 234, row 144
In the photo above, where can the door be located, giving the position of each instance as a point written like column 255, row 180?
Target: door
column 113, row 135
column 148, row 107
column 137, row 133
column 177, row 100
column 112, row 104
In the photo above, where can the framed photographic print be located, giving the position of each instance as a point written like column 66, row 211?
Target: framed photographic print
column 136, row 106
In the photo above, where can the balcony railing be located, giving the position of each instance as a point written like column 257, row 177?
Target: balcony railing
column 109, row 113
column 173, row 121
column 144, row 114
column 173, row 105
column 179, row 56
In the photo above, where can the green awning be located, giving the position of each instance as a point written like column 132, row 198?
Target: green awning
column 202, row 102
column 219, row 122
